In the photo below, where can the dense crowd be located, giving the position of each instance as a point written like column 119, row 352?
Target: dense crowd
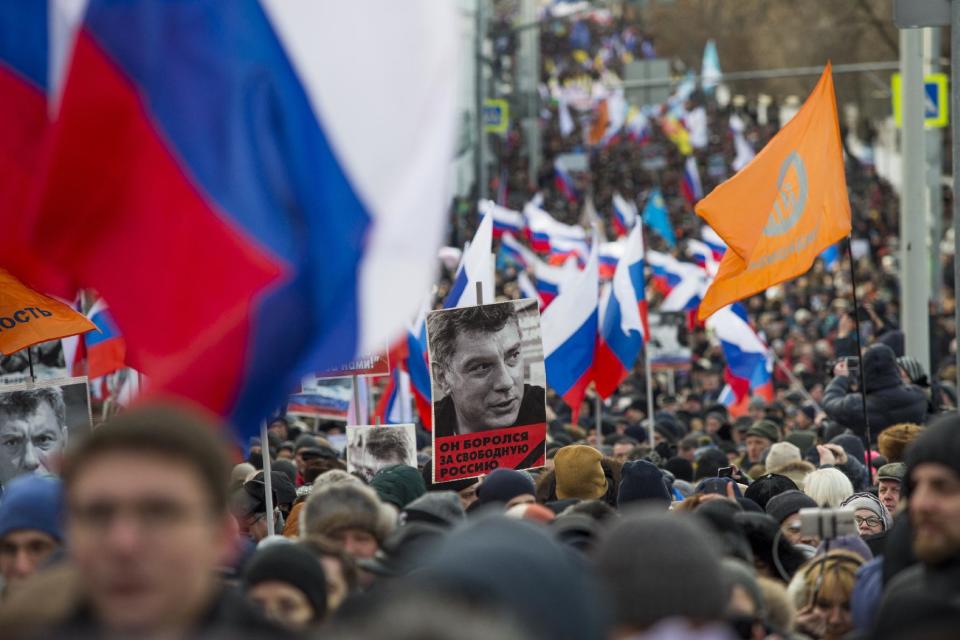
column 153, row 529
column 152, row 533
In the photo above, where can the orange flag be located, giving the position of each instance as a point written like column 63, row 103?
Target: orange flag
column 601, row 120
column 784, row 208
column 28, row 318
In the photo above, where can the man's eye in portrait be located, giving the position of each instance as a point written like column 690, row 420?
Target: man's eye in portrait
column 44, row 440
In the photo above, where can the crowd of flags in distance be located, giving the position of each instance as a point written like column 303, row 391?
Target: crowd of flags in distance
column 593, row 293
column 228, row 282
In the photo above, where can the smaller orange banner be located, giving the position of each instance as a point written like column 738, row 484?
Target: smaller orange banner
column 28, row 318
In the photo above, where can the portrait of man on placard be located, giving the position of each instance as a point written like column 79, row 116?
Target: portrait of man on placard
column 486, row 365
column 370, row 449
column 35, row 425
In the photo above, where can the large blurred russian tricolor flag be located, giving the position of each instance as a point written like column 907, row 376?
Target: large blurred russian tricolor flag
column 257, row 188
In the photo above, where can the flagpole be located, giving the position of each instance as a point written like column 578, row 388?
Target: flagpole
column 33, row 378
column 356, row 399
column 856, row 320
column 649, row 372
column 647, row 364
column 795, row 381
column 598, row 416
column 267, row 479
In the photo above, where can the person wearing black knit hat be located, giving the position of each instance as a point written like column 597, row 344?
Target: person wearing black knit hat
column 680, row 468
column 766, row 487
column 288, row 584
column 507, row 487
column 889, row 400
column 784, row 508
column 641, row 481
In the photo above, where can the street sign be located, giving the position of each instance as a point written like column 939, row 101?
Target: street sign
column 936, row 100
column 496, row 115
column 908, row 14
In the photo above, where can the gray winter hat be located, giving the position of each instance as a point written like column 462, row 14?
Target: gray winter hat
column 441, row 508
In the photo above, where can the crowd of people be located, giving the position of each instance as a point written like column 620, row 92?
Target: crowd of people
column 831, row 511
column 773, row 531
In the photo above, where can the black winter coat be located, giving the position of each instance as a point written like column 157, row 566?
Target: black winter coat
column 889, row 400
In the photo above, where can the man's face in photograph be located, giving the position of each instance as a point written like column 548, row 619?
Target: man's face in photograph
column 367, row 464
column 484, row 378
column 30, row 443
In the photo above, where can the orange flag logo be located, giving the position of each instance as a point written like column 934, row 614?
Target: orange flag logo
column 28, row 318
column 784, row 208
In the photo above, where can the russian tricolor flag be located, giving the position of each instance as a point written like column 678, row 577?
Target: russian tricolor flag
column 749, row 367
column 395, row 406
column 570, row 336
column 691, row 187
column 624, row 325
column 610, row 255
column 418, row 367
column 476, row 265
column 219, row 174
column 624, row 214
column 703, row 255
column 528, row 289
column 552, row 280
column 682, row 283
column 516, row 251
column 504, row 220
column 563, row 248
column 563, row 181
column 543, row 230
column 714, row 241
column 35, row 38
column 105, row 349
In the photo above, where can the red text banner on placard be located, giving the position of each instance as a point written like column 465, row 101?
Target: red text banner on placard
column 477, row 454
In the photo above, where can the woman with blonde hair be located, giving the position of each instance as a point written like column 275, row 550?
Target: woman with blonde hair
column 828, row 487
column 821, row 592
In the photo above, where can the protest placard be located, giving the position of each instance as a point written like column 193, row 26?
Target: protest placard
column 667, row 344
column 373, row 365
column 48, row 364
column 488, row 378
column 36, row 422
column 371, row 448
column 321, row 398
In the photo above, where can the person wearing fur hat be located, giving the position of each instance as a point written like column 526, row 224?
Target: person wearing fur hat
column 349, row 513
column 893, row 442
column 785, row 459
column 869, row 513
column 889, row 400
